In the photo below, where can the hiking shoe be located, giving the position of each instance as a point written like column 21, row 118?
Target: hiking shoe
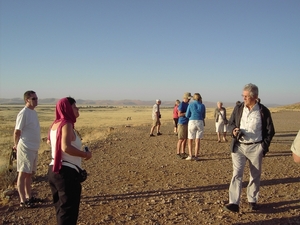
column 231, row 208
column 190, row 158
column 159, row 134
column 253, row 206
column 152, row 135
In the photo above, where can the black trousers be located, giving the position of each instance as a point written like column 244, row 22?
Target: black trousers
column 66, row 192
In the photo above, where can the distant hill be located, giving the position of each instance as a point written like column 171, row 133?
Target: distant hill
column 125, row 102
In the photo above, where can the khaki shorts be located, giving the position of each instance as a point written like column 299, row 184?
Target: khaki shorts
column 155, row 123
column 182, row 131
column 26, row 160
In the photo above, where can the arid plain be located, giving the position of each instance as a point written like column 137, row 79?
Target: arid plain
column 135, row 179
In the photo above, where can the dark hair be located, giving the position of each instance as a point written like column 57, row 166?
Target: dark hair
column 71, row 100
column 27, row 95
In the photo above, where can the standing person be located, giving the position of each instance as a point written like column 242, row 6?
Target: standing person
column 295, row 148
column 252, row 129
column 175, row 116
column 27, row 138
column 221, row 121
column 156, row 118
column 196, row 113
column 66, row 157
column 183, row 125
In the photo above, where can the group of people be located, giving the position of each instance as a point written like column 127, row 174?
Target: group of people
column 67, row 154
column 250, row 126
column 188, row 120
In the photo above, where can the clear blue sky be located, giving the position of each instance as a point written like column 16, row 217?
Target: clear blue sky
column 144, row 50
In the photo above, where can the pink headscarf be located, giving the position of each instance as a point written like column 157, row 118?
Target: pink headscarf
column 63, row 114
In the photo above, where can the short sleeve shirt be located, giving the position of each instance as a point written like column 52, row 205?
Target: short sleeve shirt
column 154, row 111
column 27, row 122
column 182, row 108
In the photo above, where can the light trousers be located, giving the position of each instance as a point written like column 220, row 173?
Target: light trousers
column 253, row 153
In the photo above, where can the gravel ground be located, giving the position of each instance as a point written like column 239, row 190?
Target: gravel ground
column 137, row 179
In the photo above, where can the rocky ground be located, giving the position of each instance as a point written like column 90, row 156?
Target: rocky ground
column 135, row 179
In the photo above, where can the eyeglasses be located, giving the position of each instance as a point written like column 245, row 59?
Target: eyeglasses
column 246, row 96
column 33, row 99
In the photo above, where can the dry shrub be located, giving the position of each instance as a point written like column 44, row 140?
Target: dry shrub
column 7, row 178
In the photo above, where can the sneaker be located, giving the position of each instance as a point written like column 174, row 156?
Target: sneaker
column 196, row 158
column 185, row 155
column 152, row 135
column 179, row 156
column 253, row 206
column 190, row 158
column 159, row 134
column 231, row 208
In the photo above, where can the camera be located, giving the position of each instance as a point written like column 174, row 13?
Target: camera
column 239, row 135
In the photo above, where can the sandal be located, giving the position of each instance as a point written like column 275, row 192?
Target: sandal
column 35, row 200
column 26, row 204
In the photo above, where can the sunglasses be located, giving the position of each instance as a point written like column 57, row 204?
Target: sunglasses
column 33, row 99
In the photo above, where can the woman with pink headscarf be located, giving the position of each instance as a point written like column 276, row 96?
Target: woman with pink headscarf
column 66, row 157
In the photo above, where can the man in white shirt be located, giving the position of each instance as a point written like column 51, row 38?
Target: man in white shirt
column 27, row 142
column 156, row 118
column 252, row 130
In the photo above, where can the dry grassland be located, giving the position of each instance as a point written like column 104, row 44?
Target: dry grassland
column 94, row 123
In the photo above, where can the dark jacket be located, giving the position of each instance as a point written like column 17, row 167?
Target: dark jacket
column 268, row 130
column 217, row 114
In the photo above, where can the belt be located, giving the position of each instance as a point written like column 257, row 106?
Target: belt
column 251, row 143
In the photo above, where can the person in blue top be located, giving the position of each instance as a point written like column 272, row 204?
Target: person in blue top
column 196, row 113
column 183, row 125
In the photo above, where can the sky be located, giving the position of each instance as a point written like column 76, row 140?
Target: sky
column 150, row 49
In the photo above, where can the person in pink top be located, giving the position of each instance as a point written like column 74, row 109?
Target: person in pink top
column 175, row 115
column 67, row 154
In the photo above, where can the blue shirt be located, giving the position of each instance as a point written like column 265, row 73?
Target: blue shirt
column 196, row 111
column 182, row 108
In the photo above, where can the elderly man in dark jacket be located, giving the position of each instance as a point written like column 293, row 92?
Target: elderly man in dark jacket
column 252, row 130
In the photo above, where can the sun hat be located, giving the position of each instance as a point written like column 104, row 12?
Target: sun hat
column 187, row 95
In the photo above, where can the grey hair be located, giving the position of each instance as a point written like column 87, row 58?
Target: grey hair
column 253, row 90
column 219, row 103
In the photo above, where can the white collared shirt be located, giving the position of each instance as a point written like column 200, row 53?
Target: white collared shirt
column 251, row 125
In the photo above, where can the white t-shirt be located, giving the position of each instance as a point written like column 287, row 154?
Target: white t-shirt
column 28, row 123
